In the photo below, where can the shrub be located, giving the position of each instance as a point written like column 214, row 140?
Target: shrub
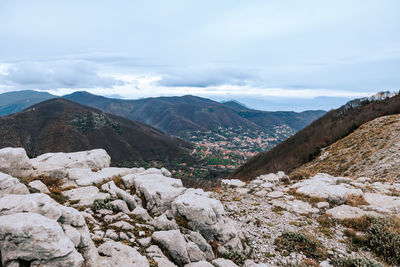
column 355, row 262
column 100, row 204
column 300, row 242
column 382, row 236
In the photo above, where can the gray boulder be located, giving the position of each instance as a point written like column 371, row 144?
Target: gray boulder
column 41, row 241
column 11, row 185
column 15, row 162
column 174, row 243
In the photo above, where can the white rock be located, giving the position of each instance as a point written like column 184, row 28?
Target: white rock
column 123, row 225
column 164, row 262
column 165, row 172
column 115, row 191
column 346, row 212
column 324, row 186
column 86, row 176
column 199, row 240
column 295, row 206
column 41, row 204
column 159, row 191
column 194, row 252
column 383, row 203
column 121, row 205
column 226, row 183
column 40, row 186
column 57, row 163
column 275, row 194
column 162, row 223
column 223, row 263
column 202, row 213
column 251, row 263
column 11, row 185
column 322, row 205
column 199, row 264
column 141, row 214
column 174, row 243
column 85, row 195
column 35, row 238
column 73, row 234
column 110, row 233
column 118, row 254
column 15, row 162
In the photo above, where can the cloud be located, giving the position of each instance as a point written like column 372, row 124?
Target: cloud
column 54, row 75
column 206, row 77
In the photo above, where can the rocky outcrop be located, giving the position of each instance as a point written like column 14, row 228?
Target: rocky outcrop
column 33, row 238
column 57, row 164
column 11, row 185
column 14, row 161
column 133, row 216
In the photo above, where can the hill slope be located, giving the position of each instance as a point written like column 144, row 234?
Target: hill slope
column 12, row 102
column 307, row 143
column 371, row 151
column 62, row 125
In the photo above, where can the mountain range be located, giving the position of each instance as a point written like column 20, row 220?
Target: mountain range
column 60, row 125
column 173, row 115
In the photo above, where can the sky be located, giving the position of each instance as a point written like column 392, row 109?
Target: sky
column 271, row 55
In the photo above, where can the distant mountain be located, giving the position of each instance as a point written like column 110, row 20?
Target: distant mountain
column 305, row 145
column 16, row 101
column 177, row 115
column 65, row 126
column 174, row 115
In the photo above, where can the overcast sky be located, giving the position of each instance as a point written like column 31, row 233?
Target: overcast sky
column 272, row 55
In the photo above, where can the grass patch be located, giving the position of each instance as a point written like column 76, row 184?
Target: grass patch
column 290, row 242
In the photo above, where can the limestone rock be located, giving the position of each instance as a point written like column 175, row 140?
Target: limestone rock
column 88, row 176
column 199, row 264
column 15, row 162
column 57, row 163
column 38, row 239
column 325, row 186
column 174, row 243
column 202, row 213
column 41, row 204
column 346, row 212
column 117, row 254
column 85, row 195
column 226, row 183
column 159, row 191
column 40, row 186
column 383, row 203
column 121, row 205
column 223, row 263
column 11, row 185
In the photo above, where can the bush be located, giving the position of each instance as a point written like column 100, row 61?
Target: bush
column 382, row 236
column 300, row 242
column 384, row 239
column 105, row 204
column 355, row 262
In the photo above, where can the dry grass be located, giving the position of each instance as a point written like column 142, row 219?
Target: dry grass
column 355, row 201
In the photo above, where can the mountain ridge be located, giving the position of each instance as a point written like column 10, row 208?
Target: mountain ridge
column 60, row 125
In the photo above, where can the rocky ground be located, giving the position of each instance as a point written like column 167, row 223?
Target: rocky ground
column 322, row 208
column 74, row 210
